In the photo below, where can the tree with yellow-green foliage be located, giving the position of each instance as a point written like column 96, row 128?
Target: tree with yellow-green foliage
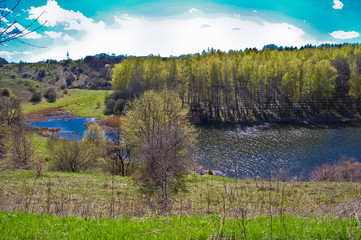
column 157, row 128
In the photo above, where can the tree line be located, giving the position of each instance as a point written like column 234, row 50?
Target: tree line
column 250, row 84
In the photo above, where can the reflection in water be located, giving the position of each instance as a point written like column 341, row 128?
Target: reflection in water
column 254, row 151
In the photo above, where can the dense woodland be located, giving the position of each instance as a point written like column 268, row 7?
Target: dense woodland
column 274, row 83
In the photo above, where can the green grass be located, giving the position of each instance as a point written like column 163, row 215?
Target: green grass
column 31, row 226
column 80, row 102
column 39, row 144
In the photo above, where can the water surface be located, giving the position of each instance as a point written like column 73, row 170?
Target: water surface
column 253, row 151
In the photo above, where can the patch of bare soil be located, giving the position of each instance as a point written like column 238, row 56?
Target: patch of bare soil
column 44, row 114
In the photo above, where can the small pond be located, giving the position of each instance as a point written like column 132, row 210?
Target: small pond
column 71, row 127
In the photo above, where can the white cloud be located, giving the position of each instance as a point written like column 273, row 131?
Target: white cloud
column 53, row 34
column 9, row 55
column 193, row 10
column 255, row 11
column 5, row 10
column 337, row 4
column 344, row 35
column 175, row 35
column 55, row 15
column 67, row 38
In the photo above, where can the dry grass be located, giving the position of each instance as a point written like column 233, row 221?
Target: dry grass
column 88, row 195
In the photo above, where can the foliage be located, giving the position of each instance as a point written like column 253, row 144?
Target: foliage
column 114, row 104
column 71, row 156
column 50, row 95
column 36, row 97
column 13, row 75
column 6, row 92
column 94, row 133
column 157, row 128
column 273, row 83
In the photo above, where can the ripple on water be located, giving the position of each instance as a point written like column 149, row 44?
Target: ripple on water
column 251, row 152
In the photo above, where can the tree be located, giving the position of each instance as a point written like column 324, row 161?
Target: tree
column 10, row 27
column 94, row 133
column 15, row 146
column 117, row 155
column 156, row 126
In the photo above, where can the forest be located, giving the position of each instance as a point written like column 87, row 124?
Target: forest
column 271, row 84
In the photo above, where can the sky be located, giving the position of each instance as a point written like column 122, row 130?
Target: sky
column 173, row 28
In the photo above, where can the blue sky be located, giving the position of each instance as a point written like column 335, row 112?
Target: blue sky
column 134, row 27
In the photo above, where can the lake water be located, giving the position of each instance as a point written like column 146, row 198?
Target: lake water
column 247, row 152
column 71, row 127
column 254, row 151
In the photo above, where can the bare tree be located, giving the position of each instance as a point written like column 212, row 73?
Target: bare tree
column 117, row 155
column 20, row 149
column 10, row 26
column 15, row 146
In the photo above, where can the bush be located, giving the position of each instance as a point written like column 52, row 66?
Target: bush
column 119, row 106
column 114, row 104
column 50, row 95
column 36, row 97
column 62, row 86
column 348, row 170
column 6, row 92
column 13, row 76
column 71, row 156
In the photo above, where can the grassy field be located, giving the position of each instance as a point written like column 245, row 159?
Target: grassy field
column 30, row 226
column 81, row 102
column 96, row 195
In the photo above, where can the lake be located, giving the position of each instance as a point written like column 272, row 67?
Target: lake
column 248, row 152
column 254, row 151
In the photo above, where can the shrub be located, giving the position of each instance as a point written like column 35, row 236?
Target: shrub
column 13, row 76
column 62, row 86
column 36, row 97
column 6, row 92
column 50, row 95
column 347, row 170
column 71, row 156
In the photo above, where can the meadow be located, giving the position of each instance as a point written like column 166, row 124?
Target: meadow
column 60, row 205
column 80, row 102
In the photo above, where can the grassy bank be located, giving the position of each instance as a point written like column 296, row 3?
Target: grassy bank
column 81, row 102
column 30, row 226
column 96, row 195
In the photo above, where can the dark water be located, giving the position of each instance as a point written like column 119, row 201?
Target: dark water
column 255, row 151
column 247, row 152
column 72, row 128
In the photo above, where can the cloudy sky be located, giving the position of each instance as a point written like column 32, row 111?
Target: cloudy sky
column 143, row 27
